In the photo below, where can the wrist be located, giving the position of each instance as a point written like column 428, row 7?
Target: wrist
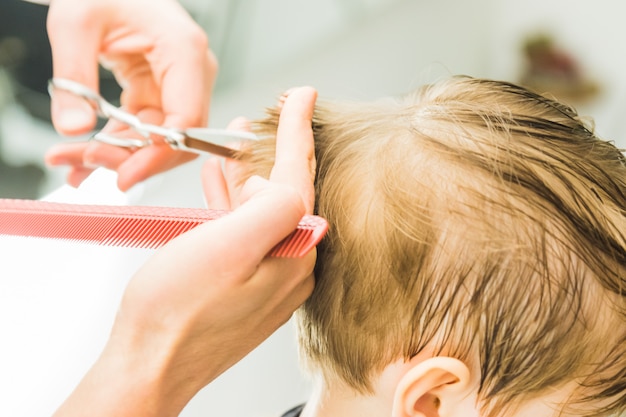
column 131, row 378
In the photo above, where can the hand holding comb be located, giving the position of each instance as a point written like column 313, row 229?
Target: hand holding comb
column 132, row 226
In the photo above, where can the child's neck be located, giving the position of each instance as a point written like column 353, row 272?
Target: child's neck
column 339, row 401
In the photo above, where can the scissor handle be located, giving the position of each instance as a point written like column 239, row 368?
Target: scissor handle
column 99, row 103
column 129, row 143
column 198, row 140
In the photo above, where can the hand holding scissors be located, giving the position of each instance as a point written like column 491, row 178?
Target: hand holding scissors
column 194, row 140
column 157, row 52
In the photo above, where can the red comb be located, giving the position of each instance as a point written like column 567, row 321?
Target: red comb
column 132, row 226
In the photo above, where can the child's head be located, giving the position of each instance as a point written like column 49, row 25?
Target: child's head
column 475, row 220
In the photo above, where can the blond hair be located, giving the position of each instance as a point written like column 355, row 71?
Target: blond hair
column 476, row 217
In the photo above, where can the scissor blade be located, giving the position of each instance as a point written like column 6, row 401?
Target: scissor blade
column 201, row 139
column 194, row 144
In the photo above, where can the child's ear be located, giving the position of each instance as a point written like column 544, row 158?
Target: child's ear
column 435, row 387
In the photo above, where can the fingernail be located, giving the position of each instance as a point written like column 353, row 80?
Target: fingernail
column 284, row 95
column 53, row 162
column 91, row 164
column 74, row 119
column 53, row 158
column 71, row 114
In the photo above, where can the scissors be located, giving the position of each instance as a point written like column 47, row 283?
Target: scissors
column 197, row 140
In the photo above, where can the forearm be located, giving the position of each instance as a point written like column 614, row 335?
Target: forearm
column 128, row 381
column 108, row 390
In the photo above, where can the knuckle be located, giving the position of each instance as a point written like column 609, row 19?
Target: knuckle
column 212, row 62
column 292, row 200
column 78, row 17
column 196, row 37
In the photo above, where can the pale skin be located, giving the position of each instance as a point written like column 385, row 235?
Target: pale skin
column 207, row 298
column 161, row 58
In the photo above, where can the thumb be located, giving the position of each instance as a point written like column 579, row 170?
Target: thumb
column 75, row 43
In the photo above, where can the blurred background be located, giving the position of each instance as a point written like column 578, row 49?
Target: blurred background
column 359, row 49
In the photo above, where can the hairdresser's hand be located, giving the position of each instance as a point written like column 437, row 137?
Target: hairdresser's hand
column 158, row 54
column 210, row 296
column 221, row 178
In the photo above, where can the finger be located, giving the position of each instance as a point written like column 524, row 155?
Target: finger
column 232, row 168
column 66, row 153
column 280, row 277
column 149, row 161
column 75, row 58
column 103, row 155
column 271, row 213
column 214, row 185
column 99, row 154
column 233, row 175
column 140, row 88
column 278, row 288
column 187, row 83
column 84, row 157
column 245, row 236
column 240, row 124
column 295, row 156
column 78, row 174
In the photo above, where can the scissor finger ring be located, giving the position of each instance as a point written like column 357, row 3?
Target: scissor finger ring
column 120, row 142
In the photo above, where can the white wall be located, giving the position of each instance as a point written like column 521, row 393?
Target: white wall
column 384, row 53
column 592, row 31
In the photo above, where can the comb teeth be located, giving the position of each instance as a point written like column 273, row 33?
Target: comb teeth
column 132, row 226
column 310, row 231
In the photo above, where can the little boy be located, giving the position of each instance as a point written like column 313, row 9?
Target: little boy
column 475, row 263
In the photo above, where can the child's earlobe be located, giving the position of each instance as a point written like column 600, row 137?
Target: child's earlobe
column 435, row 387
